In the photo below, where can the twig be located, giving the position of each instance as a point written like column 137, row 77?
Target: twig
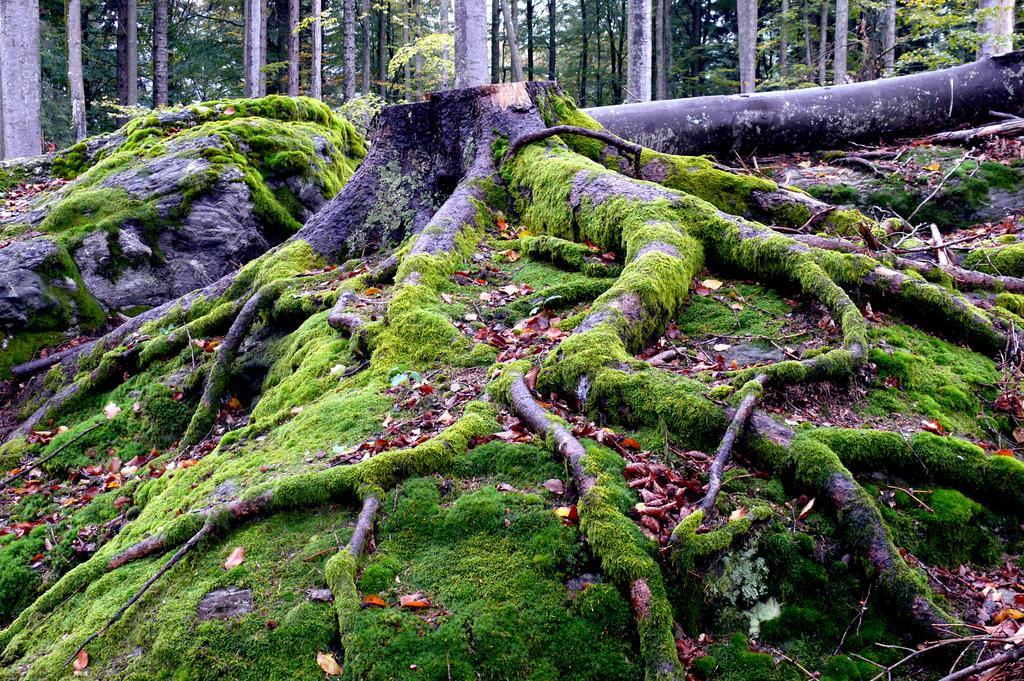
column 11, row 478
column 1011, row 655
column 939, row 186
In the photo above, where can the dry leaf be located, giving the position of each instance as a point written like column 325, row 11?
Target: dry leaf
column 81, row 660
column 111, row 410
column 511, row 255
column 739, row 514
column 236, row 558
column 721, row 347
column 374, row 601
column 936, row 427
column 933, row 166
column 415, row 601
column 372, row 291
column 712, row 284
column 328, row 664
column 555, row 486
column 806, row 509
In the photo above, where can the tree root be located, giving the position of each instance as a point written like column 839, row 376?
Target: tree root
column 615, row 141
column 732, row 433
column 613, row 537
column 220, row 374
column 340, row 570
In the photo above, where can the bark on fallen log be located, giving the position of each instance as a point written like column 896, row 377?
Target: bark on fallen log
column 824, row 117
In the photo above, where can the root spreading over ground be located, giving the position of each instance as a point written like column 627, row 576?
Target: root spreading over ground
column 521, row 402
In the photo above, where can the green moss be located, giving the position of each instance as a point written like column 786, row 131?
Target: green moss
column 735, row 662
column 937, row 379
column 1005, row 260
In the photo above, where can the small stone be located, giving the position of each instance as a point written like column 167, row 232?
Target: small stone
column 225, row 604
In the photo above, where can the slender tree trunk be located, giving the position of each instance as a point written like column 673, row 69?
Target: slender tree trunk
column 823, row 44
column 160, row 55
column 246, row 47
column 418, row 60
column 495, row 41
column 996, row 27
column 261, row 74
column 470, row 43
column 382, row 48
column 746, row 16
column 552, row 30
column 584, row 56
column 76, row 84
column 406, row 68
column 661, row 34
column 364, row 22
column 251, row 46
column 127, row 53
column 316, row 85
column 513, row 43
column 638, row 65
column 349, row 39
column 889, row 39
column 842, row 36
column 808, row 47
column 445, row 28
column 784, row 39
column 529, row 39
column 293, row 47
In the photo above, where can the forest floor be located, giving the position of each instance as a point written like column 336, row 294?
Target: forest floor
column 483, row 569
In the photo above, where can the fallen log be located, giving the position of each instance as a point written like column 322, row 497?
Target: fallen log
column 824, row 117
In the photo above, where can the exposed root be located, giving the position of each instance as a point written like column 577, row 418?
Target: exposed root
column 624, row 146
column 217, row 381
column 732, row 433
column 612, row 536
column 340, row 570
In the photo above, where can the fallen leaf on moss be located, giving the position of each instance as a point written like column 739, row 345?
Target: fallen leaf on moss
column 414, row 601
column 236, row 558
column 372, row 291
column 111, row 410
column 712, row 284
column 81, row 660
column 806, row 509
column 568, row 514
column 328, row 664
column 739, row 514
column 936, row 427
column 374, row 601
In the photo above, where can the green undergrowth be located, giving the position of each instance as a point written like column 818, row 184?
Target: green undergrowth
column 279, row 639
column 938, row 380
column 497, row 563
column 955, row 206
column 761, row 312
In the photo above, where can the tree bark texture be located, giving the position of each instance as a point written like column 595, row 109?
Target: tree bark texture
column 529, row 39
column 638, row 63
column 662, row 21
column 76, row 83
column 349, row 69
column 127, row 53
column 445, row 28
column 825, row 118
column 316, row 86
column 784, row 39
column 382, row 48
column 823, row 44
column 552, row 31
column 746, row 16
column 996, row 27
column 364, row 23
column 161, row 64
column 470, row 43
column 20, row 79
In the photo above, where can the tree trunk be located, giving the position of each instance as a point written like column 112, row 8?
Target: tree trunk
column 842, row 35
column 470, row 43
column 160, row 55
column 364, row 23
column 584, row 57
column 382, row 48
column 293, row 47
column 127, row 53
column 495, row 41
column 20, row 79
column 253, row 30
column 889, row 39
column 445, row 28
column 808, row 47
column 638, row 65
column 406, row 67
column 552, row 30
column 418, row 60
column 261, row 49
column 784, row 39
column 316, row 88
column 746, row 17
column 825, row 118
column 349, row 39
column 76, row 84
column 823, row 44
column 513, row 42
column 995, row 25
column 529, row 39
column 661, row 35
